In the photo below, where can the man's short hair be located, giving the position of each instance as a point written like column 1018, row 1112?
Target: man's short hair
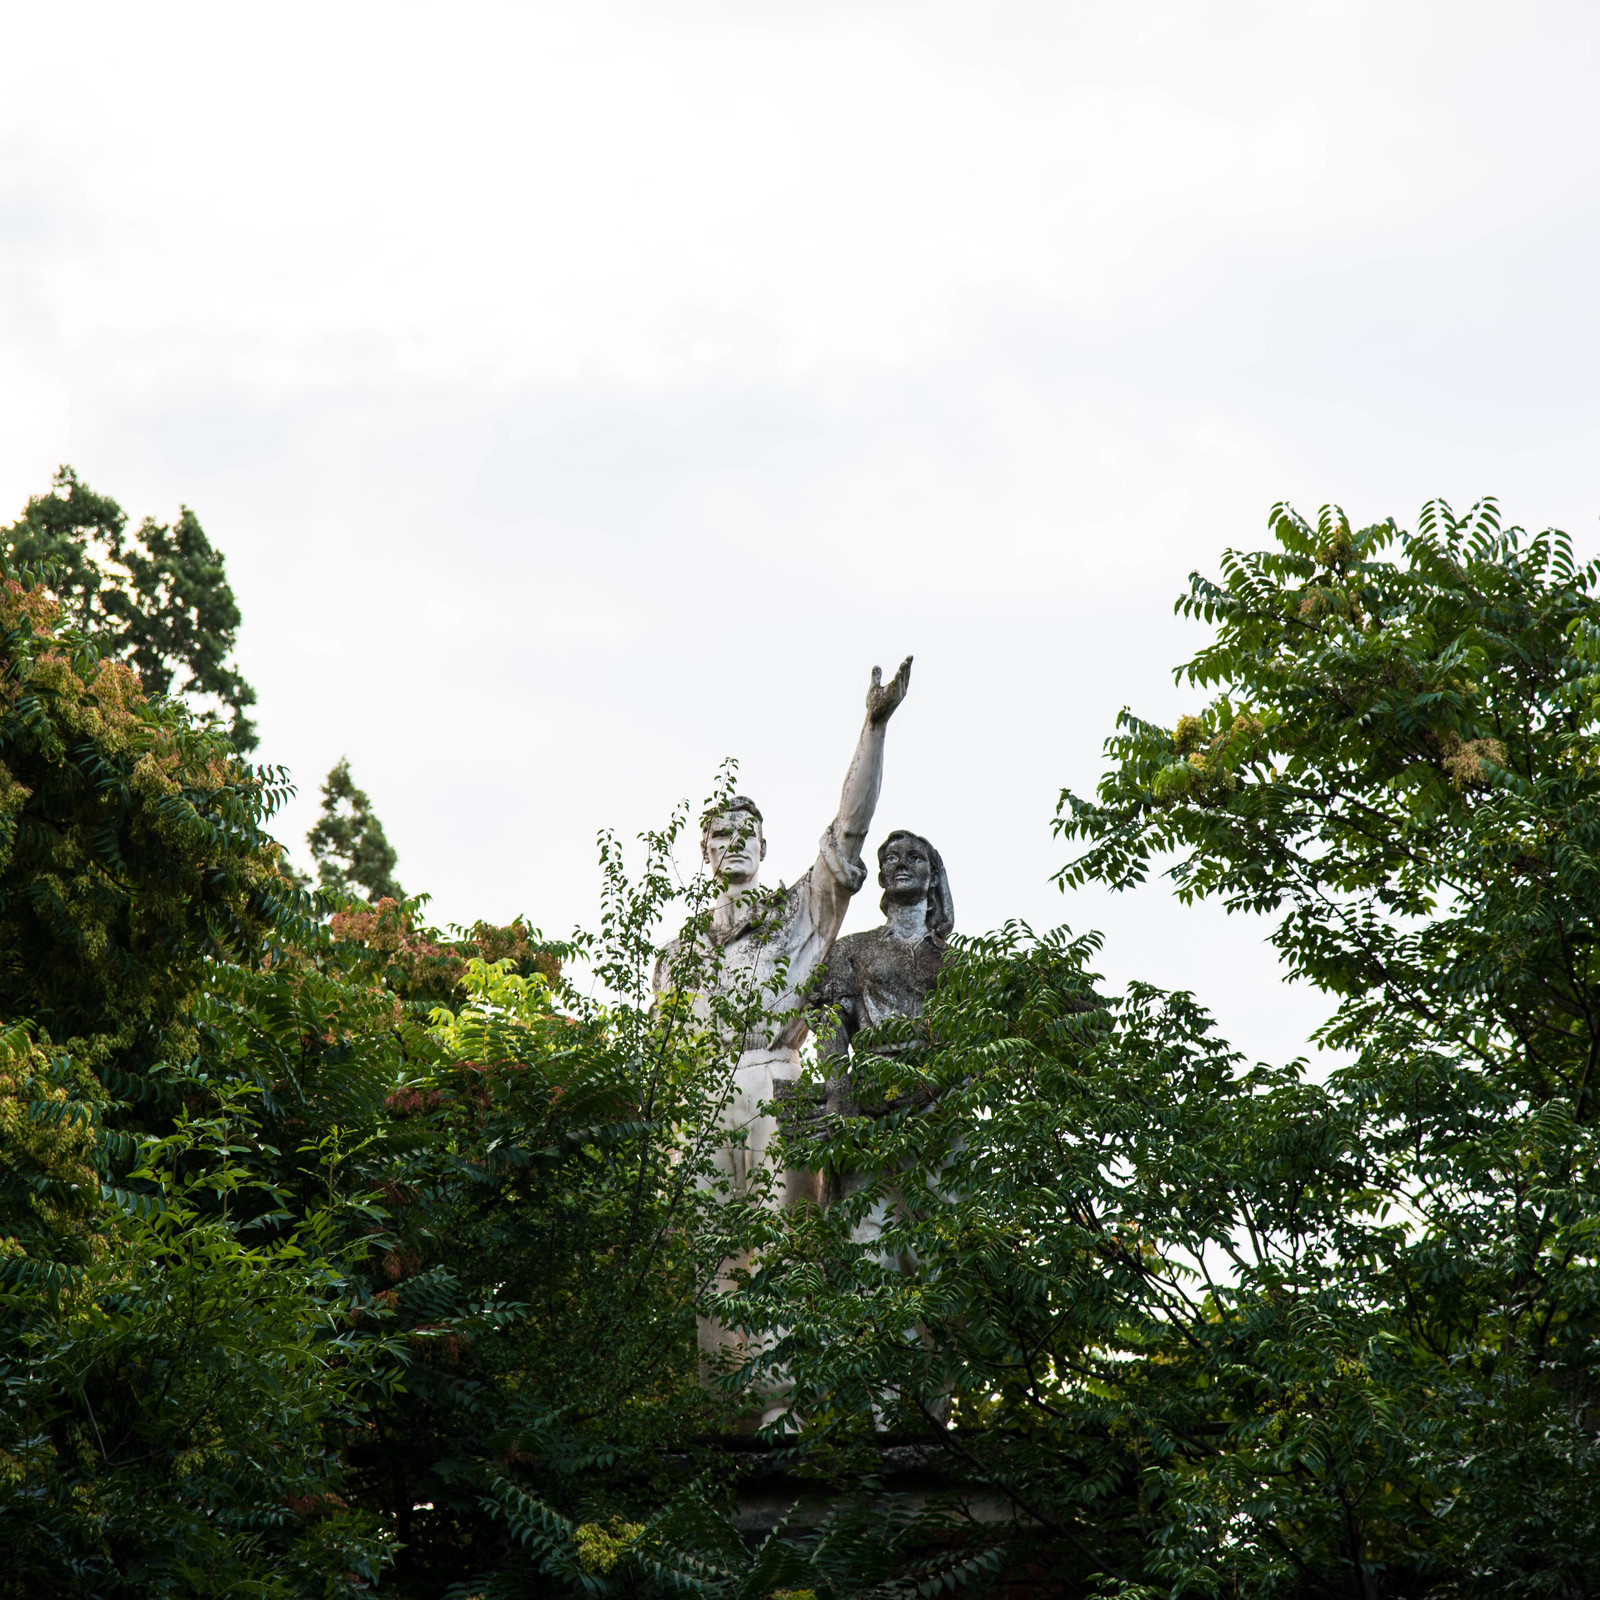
column 940, row 902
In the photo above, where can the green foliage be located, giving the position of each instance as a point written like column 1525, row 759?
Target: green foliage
column 348, row 843
column 313, row 1234
column 363, row 1254
column 169, row 1377
column 131, row 845
column 1214, row 1329
column 862, row 1548
column 48, row 1181
column 1195, row 1325
column 157, row 599
column 552, row 1233
column 1401, row 763
column 165, row 1407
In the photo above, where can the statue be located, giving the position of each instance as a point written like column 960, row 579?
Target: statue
column 887, row 972
column 774, row 943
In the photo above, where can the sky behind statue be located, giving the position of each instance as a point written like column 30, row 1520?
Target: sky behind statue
column 528, row 362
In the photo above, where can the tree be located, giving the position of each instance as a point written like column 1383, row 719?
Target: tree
column 131, row 845
column 358, row 1247
column 1398, row 768
column 167, row 1375
column 1403, row 769
column 303, row 1222
column 166, row 1397
column 348, row 843
column 1215, row 1329
column 157, row 598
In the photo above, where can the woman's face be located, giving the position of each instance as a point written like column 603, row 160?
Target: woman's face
column 905, row 871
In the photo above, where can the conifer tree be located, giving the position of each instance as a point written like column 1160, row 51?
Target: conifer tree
column 348, row 843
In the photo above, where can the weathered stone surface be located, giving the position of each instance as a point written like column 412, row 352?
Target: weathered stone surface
column 870, row 977
column 774, row 943
column 889, row 972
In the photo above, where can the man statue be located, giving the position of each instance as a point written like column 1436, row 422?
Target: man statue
column 771, row 945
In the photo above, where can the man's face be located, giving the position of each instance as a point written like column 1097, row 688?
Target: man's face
column 733, row 846
column 906, row 872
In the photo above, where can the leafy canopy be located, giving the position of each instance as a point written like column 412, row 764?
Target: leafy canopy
column 1401, row 769
column 1209, row 1328
column 132, row 849
column 353, row 1254
column 157, row 598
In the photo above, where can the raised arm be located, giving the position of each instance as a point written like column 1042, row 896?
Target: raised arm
column 859, row 797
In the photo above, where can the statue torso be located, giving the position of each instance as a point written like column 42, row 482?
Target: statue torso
column 778, row 938
column 874, row 975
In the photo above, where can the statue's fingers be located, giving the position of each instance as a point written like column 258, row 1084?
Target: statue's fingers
column 877, row 677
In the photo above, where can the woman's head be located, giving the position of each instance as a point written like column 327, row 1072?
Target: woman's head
column 909, row 870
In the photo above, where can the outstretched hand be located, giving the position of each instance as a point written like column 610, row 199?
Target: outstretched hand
column 883, row 697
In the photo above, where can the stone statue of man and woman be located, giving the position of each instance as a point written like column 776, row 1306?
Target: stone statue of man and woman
column 788, row 948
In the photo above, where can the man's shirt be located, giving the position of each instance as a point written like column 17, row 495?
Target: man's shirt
column 772, row 946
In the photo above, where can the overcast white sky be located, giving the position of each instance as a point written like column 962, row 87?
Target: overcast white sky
column 584, row 392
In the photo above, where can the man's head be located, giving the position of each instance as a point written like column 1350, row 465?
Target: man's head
column 910, row 871
column 731, row 843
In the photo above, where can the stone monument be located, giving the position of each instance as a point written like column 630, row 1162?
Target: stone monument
column 887, row 972
column 772, row 944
